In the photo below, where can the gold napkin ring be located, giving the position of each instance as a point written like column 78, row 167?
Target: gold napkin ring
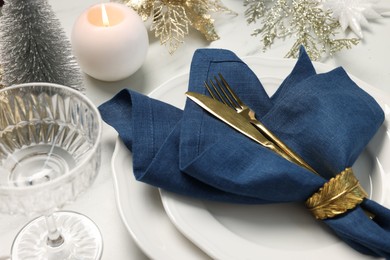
column 338, row 195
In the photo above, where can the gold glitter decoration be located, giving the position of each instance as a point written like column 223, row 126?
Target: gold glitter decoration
column 305, row 20
column 171, row 19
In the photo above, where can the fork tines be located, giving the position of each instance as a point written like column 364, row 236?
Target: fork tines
column 220, row 90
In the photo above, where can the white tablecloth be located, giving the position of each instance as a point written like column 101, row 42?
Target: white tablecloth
column 369, row 61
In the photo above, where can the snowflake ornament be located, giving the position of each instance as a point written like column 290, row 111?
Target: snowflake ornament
column 354, row 13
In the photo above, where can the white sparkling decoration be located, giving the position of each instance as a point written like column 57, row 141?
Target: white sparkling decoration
column 354, row 13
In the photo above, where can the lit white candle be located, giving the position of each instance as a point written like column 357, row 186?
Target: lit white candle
column 110, row 41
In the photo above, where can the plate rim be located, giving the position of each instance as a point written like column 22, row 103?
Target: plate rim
column 186, row 249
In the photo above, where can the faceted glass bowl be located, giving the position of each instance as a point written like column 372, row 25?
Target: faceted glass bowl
column 49, row 146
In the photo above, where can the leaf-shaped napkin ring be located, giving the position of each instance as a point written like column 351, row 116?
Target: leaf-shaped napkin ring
column 338, row 195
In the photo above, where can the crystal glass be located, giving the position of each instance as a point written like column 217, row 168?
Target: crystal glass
column 49, row 154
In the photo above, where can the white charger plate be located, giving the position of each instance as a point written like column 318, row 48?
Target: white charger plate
column 226, row 231
column 278, row 231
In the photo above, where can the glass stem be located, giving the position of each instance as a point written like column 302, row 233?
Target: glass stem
column 54, row 237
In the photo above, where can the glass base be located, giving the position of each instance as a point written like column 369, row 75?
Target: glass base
column 82, row 239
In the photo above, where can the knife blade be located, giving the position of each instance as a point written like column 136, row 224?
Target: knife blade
column 234, row 120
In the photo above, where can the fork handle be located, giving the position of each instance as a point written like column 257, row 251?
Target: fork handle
column 286, row 152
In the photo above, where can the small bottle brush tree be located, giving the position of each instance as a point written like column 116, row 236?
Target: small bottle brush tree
column 33, row 46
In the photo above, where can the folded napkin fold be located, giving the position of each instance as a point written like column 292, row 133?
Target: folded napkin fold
column 326, row 118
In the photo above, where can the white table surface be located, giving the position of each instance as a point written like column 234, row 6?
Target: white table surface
column 368, row 61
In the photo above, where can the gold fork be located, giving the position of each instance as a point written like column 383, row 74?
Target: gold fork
column 222, row 92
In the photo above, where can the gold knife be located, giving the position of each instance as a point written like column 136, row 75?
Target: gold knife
column 229, row 116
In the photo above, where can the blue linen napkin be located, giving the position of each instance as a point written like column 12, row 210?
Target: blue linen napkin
column 325, row 118
column 151, row 130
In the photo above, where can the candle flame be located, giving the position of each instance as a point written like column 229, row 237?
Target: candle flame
column 106, row 22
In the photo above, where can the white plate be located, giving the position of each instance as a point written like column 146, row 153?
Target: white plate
column 142, row 213
column 283, row 231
